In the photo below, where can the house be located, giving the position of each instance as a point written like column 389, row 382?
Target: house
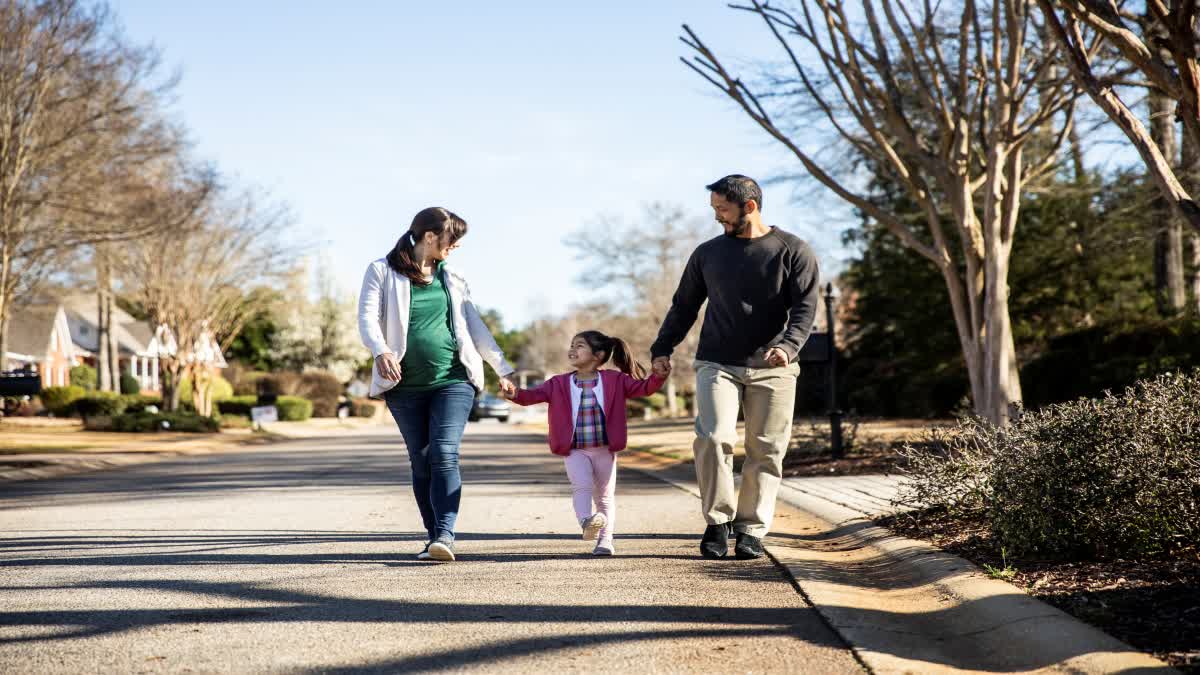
column 55, row 336
column 40, row 337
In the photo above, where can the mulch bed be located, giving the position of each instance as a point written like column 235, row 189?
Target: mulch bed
column 1154, row 605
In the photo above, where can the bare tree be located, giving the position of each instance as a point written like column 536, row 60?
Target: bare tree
column 193, row 280
column 959, row 103
column 1162, row 50
column 78, row 126
column 640, row 264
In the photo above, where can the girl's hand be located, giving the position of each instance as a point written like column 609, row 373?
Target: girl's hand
column 389, row 367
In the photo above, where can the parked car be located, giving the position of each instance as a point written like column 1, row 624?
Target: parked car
column 487, row 406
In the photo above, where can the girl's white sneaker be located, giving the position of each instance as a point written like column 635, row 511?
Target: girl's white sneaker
column 592, row 526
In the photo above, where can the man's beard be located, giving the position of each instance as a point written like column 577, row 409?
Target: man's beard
column 739, row 227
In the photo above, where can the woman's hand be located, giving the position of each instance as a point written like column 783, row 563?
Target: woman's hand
column 508, row 390
column 389, row 367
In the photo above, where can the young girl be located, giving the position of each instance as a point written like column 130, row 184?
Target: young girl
column 587, row 424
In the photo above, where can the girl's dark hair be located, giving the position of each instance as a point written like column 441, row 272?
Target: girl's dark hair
column 434, row 219
column 614, row 348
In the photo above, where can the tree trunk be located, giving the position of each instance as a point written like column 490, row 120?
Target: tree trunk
column 672, row 407
column 171, row 374
column 3, row 336
column 1170, row 291
column 106, row 379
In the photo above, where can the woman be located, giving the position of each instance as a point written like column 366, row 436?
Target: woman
column 416, row 316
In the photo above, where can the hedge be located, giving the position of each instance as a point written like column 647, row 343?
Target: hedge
column 293, row 408
column 59, row 400
column 145, row 422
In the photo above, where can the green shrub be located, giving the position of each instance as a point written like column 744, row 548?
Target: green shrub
column 237, row 405
column 221, row 389
column 136, row 403
column 100, row 404
column 83, row 376
column 1093, row 478
column 60, row 400
column 293, row 408
column 145, row 422
column 130, row 384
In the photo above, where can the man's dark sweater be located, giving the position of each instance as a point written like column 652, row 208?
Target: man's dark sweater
column 761, row 293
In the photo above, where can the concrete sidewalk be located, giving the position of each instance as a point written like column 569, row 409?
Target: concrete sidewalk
column 870, row 496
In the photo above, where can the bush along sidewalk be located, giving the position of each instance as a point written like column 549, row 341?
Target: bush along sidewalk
column 1091, row 505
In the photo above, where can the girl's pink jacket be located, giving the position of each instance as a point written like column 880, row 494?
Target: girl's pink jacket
column 617, row 388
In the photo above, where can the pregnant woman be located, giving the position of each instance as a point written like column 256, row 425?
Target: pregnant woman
column 429, row 343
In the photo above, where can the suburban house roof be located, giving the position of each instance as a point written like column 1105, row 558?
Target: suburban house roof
column 31, row 330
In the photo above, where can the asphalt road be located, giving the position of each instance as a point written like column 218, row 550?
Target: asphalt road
column 301, row 557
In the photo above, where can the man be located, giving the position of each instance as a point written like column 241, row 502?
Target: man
column 761, row 285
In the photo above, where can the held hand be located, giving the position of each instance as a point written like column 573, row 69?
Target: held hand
column 508, row 390
column 776, row 357
column 661, row 366
column 389, row 367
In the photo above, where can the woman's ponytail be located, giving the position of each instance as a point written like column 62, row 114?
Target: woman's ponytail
column 445, row 224
column 616, row 349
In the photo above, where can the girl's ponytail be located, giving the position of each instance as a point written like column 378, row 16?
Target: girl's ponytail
column 624, row 360
column 616, row 349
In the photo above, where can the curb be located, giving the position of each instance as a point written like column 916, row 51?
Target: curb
column 904, row 606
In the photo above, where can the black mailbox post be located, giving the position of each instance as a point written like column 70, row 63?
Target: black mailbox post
column 822, row 348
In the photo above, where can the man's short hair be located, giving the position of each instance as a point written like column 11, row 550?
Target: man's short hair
column 738, row 189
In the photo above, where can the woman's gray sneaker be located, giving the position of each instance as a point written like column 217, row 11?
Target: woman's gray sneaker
column 604, row 549
column 592, row 526
column 442, row 550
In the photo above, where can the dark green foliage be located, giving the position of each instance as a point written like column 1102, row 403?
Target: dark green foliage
column 1092, row 478
column 136, row 403
column 146, row 422
column 83, row 376
column 100, row 404
column 1108, row 357
column 1082, row 257
column 238, row 405
column 130, row 384
column 510, row 342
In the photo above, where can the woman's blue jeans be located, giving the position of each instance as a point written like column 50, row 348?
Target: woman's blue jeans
column 432, row 423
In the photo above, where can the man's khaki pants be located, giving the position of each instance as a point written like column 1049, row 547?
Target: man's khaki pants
column 768, row 397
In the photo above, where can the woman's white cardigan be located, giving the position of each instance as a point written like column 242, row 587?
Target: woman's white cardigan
column 383, row 309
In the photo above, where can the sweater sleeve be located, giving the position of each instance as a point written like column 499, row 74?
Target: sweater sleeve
column 635, row 388
column 370, row 312
column 539, row 394
column 803, row 286
column 685, row 306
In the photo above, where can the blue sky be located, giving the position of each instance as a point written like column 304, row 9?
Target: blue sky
column 529, row 119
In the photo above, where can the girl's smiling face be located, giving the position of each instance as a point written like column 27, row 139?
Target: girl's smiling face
column 580, row 355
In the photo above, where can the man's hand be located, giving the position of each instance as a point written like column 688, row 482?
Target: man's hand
column 661, row 365
column 508, row 390
column 389, row 367
column 776, row 357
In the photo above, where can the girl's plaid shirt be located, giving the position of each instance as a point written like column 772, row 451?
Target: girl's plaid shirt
column 590, row 429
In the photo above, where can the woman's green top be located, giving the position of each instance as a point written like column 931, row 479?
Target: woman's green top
column 431, row 361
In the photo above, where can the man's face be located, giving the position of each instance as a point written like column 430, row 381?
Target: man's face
column 730, row 215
